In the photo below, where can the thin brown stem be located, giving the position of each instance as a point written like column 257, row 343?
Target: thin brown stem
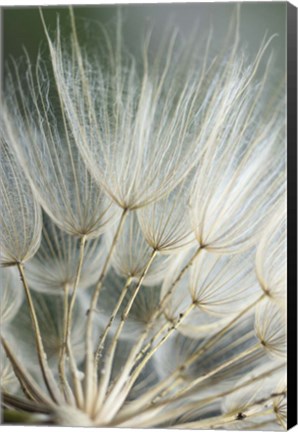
column 42, row 358
column 78, row 392
column 210, row 342
column 137, row 349
column 61, row 365
column 129, row 412
column 219, row 421
column 110, row 355
column 89, row 361
column 174, row 377
column 27, row 382
column 105, row 333
column 214, row 371
column 149, row 354
column 23, row 404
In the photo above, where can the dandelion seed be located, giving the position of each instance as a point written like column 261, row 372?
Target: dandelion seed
column 218, row 286
column 132, row 253
column 11, row 295
column 166, row 224
column 239, row 179
column 271, row 256
column 53, row 268
column 20, row 214
column 255, row 401
column 49, row 158
column 137, row 129
column 270, row 327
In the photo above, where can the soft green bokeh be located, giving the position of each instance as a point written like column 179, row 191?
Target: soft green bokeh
column 22, row 26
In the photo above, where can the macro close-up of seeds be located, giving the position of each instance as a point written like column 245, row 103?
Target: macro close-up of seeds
column 143, row 219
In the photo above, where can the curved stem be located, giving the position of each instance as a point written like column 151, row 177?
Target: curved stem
column 210, row 342
column 24, row 404
column 110, row 355
column 78, row 392
column 137, row 349
column 105, row 333
column 27, row 382
column 126, row 389
column 61, row 365
column 149, row 411
column 221, row 420
column 149, row 354
column 214, row 371
column 108, row 412
column 174, row 377
column 42, row 357
column 89, row 361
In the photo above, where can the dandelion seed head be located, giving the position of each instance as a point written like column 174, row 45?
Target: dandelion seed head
column 157, row 171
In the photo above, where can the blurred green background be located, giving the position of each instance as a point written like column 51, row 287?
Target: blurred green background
column 22, row 27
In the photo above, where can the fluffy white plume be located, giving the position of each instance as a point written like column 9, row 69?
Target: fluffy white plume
column 44, row 145
column 11, row 294
column 53, row 268
column 271, row 257
column 20, row 215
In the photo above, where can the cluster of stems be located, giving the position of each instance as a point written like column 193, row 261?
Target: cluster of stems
column 94, row 392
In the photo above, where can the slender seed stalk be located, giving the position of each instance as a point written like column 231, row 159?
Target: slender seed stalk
column 160, row 307
column 219, row 334
column 27, row 382
column 110, row 408
column 130, row 411
column 173, row 379
column 222, row 366
column 169, row 332
column 151, row 342
column 61, row 363
column 149, row 354
column 105, row 333
column 174, row 284
column 232, row 390
column 210, row 342
column 42, row 357
column 78, row 392
column 103, row 385
column 24, row 404
column 137, row 349
column 222, row 420
column 89, row 362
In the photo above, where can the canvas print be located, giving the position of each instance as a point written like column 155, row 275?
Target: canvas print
column 143, row 216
